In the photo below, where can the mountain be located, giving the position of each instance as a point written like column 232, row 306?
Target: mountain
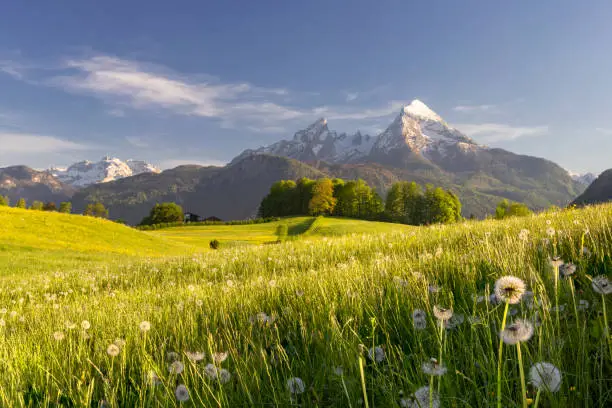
column 583, row 178
column 599, row 191
column 24, row 182
column 86, row 173
column 230, row 192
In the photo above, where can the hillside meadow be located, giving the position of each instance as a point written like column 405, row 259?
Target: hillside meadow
column 342, row 313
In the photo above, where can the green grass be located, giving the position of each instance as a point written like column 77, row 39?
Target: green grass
column 327, row 299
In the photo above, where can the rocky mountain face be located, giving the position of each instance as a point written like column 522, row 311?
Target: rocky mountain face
column 584, row 178
column 86, row 173
column 599, row 191
column 24, row 182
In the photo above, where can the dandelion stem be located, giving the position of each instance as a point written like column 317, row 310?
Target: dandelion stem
column 571, row 283
column 431, row 383
column 348, row 398
column 537, row 400
column 499, row 362
column 363, row 384
column 557, row 298
column 606, row 328
column 522, row 374
column 440, row 353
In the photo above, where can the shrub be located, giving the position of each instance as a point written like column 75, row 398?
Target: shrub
column 214, row 244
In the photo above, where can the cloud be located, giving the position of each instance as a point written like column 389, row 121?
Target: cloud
column 12, row 68
column 496, row 132
column 172, row 163
column 475, row 108
column 351, row 96
column 604, row 131
column 14, row 143
column 137, row 141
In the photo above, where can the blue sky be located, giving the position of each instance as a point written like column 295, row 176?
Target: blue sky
column 200, row 81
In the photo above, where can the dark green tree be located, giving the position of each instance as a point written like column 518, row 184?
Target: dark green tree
column 96, row 210
column 4, row 201
column 322, row 201
column 21, row 203
column 506, row 209
column 164, row 213
column 37, row 205
column 49, row 206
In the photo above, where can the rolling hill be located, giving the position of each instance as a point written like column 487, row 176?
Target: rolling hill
column 599, row 191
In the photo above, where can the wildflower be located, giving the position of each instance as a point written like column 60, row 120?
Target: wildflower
column 120, row 342
column 419, row 319
column 524, row 235
column 339, row 371
column 176, row 367
column 550, row 231
column 272, row 283
column 583, row 304
column 181, row 393
column 295, row 385
column 58, row 335
column 85, row 325
column 144, row 326
column 567, row 269
column 433, row 289
column 154, row 379
column 219, row 357
column 556, row 262
column 113, row 350
column 601, row 284
column 441, row 313
column 520, row 331
column 509, row 289
column 199, row 302
column 454, row 321
column 69, row 325
column 211, row 371
column 299, row 293
column 420, row 399
column 432, row 367
column 376, row 354
column 224, row 376
column 545, row 376
column 195, row 356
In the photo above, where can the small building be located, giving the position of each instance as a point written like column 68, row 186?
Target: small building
column 213, row 218
column 191, row 217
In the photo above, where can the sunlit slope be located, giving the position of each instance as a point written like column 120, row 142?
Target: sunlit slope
column 27, row 230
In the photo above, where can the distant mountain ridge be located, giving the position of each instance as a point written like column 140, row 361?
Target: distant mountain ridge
column 24, row 182
column 600, row 190
column 86, row 173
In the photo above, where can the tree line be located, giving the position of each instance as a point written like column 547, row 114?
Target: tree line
column 92, row 210
column 406, row 202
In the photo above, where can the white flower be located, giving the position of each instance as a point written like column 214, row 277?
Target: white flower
column 441, row 313
column 219, row 357
column 601, row 284
column 211, row 371
column 85, row 325
column 567, row 269
column 556, row 262
column 376, row 354
column 113, row 350
column 545, row 376
column 420, row 399
column 583, row 304
column 550, row 231
column 181, row 393
column 339, row 371
column 195, row 356
column 519, row 331
column 154, row 379
column 120, row 342
column 172, row 356
column 224, row 376
column 69, row 325
column 524, row 235
column 295, row 385
column 58, row 336
column 176, row 367
column 432, row 367
column 509, row 289
column 144, row 326
column 419, row 319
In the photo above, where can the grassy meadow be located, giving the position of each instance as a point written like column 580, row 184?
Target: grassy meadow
column 340, row 313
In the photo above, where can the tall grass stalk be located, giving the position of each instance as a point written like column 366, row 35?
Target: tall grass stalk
column 500, row 358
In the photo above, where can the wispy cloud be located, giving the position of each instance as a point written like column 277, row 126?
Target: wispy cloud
column 351, row 96
column 605, row 131
column 32, row 143
column 12, row 68
column 497, row 132
column 475, row 108
column 137, row 141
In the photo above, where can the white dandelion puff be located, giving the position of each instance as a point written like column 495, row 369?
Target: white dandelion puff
column 420, row 399
column 58, row 335
column 181, row 393
column 432, row 367
column 556, row 262
column 545, row 376
column 519, row 331
column 524, row 235
column 376, row 354
column 419, row 319
column 69, row 325
column 144, row 326
column 601, row 284
column 85, row 325
column 454, row 321
column 176, row 367
column 154, row 378
column 441, row 313
column 120, row 342
column 113, row 350
column 567, row 270
column 583, row 304
column 219, row 357
column 550, row 231
column 195, row 356
column 509, row 289
column 295, row 385
column 339, row 371
column 172, row 356
column 211, row 371
column 224, row 376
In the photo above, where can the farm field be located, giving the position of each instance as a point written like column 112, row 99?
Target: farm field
column 343, row 313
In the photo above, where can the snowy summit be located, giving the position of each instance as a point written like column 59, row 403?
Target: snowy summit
column 85, row 173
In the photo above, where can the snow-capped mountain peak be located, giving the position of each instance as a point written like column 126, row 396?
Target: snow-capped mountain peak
column 421, row 111
column 583, row 178
column 316, row 132
column 85, row 173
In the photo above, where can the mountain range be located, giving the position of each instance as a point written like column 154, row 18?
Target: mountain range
column 418, row 145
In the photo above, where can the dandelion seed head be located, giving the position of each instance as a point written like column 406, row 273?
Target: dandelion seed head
column 181, row 393
column 545, row 376
column 113, row 350
column 519, row 331
column 550, row 231
column 509, row 289
column 211, row 371
column 85, row 325
column 376, row 354
column 224, row 376
column 419, row 319
column 144, row 326
column 583, row 304
column 195, row 356
column 556, row 262
column 601, row 284
column 295, row 385
column 154, row 378
column 454, row 321
column 524, row 235
column 567, row 270
column 432, row 367
column 172, row 356
column 176, row 367
column 339, row 371
column 420, row 399
column 58, row 335
column 442, row 313
column 219, row 357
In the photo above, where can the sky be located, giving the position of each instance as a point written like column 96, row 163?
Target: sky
column 200, row 81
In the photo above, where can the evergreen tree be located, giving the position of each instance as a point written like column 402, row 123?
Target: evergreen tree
column 4, row 201
column 65, row 207
column 21, row 203
column 323, row 200
column 49, row 206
